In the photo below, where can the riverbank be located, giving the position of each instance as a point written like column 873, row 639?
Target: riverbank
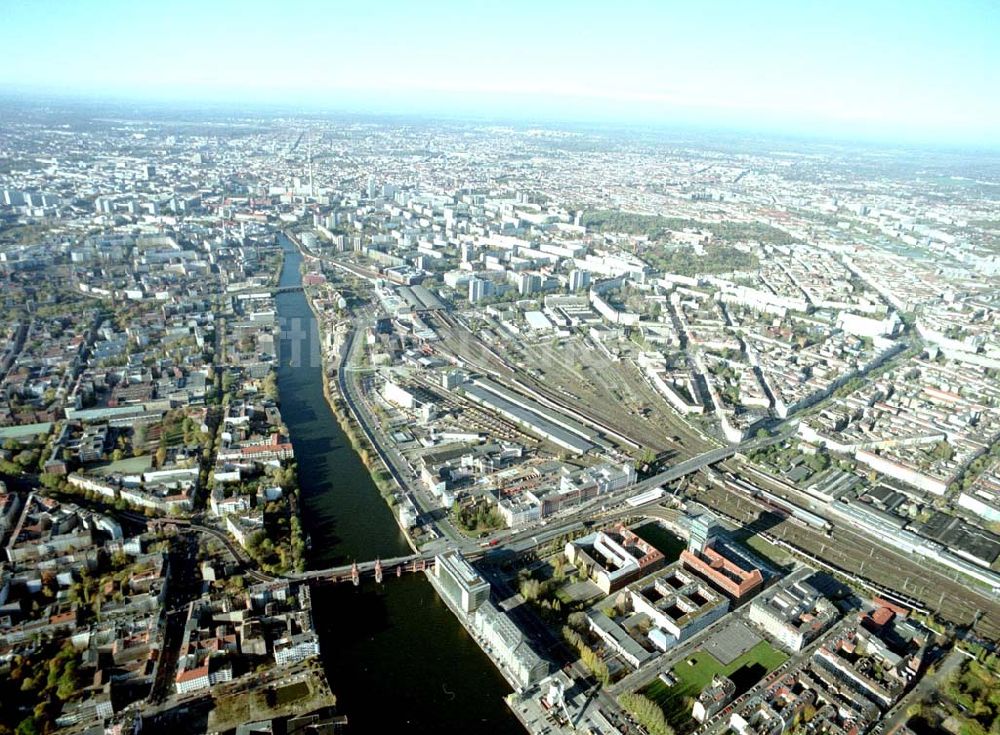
column 507, row 674
column 391, row 643
column 348, row 420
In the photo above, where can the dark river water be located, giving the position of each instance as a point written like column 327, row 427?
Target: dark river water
column 397, row 660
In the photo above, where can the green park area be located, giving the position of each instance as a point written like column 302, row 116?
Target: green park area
column 695, row 672
column 769, row 551
column 967, row 701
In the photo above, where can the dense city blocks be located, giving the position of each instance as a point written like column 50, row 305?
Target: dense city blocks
column 316, row 421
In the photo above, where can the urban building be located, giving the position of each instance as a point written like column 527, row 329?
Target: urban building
column 613, row 559
column 713, row 698
column 737, row 582
column 793, row 613
column 677, row 603
column 508, row 645
column 460, row 582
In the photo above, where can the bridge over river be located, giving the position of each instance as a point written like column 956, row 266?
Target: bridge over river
column 517, row 542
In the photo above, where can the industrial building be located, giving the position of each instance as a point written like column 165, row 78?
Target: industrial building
column 617, row 639
column 558, row 429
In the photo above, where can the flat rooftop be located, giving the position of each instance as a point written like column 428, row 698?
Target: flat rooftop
column 530, row 419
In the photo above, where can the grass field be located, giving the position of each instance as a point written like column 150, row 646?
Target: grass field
column 745, row 671
column 769, row 551
column 292, row 693
column 128, row 466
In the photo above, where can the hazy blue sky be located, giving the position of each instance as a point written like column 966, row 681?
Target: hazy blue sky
column 909, row 69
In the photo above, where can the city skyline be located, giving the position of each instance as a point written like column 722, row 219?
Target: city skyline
column 864, row 72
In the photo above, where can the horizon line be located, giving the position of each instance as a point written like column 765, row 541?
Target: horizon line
column 423, row 106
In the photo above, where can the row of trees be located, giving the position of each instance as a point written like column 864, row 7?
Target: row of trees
column 590, row 658
column 647, row 712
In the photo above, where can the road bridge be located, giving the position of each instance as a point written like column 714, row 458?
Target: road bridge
column 518, row 542
column 272, row 291
column 378, row 568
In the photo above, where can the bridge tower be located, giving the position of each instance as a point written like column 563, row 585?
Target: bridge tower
column 378, row 571
column 355, row 574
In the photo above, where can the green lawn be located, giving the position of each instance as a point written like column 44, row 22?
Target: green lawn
column 769, row 551
column 667, row 543
column 745, row 671
column 292, row 692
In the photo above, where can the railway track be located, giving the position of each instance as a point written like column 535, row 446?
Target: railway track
column 857, row 555
column 456, row 344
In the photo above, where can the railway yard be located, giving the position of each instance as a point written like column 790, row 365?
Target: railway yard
column 572, row 375
column 941, row 591
column 577, row 377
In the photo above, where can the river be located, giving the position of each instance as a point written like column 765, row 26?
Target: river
column 396, row 658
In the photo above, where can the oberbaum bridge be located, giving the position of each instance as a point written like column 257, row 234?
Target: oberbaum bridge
column 642, row 496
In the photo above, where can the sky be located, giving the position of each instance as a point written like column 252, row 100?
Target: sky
column 919, row 69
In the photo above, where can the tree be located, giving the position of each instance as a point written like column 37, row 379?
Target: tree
column 647, row 712
column 596, row 666
column 818, row 462
column 531, row 589
column 27, row 458
column 943, row 451
column 270, row 387
column 49, row 480
column 9, row 468
column 68, row 681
